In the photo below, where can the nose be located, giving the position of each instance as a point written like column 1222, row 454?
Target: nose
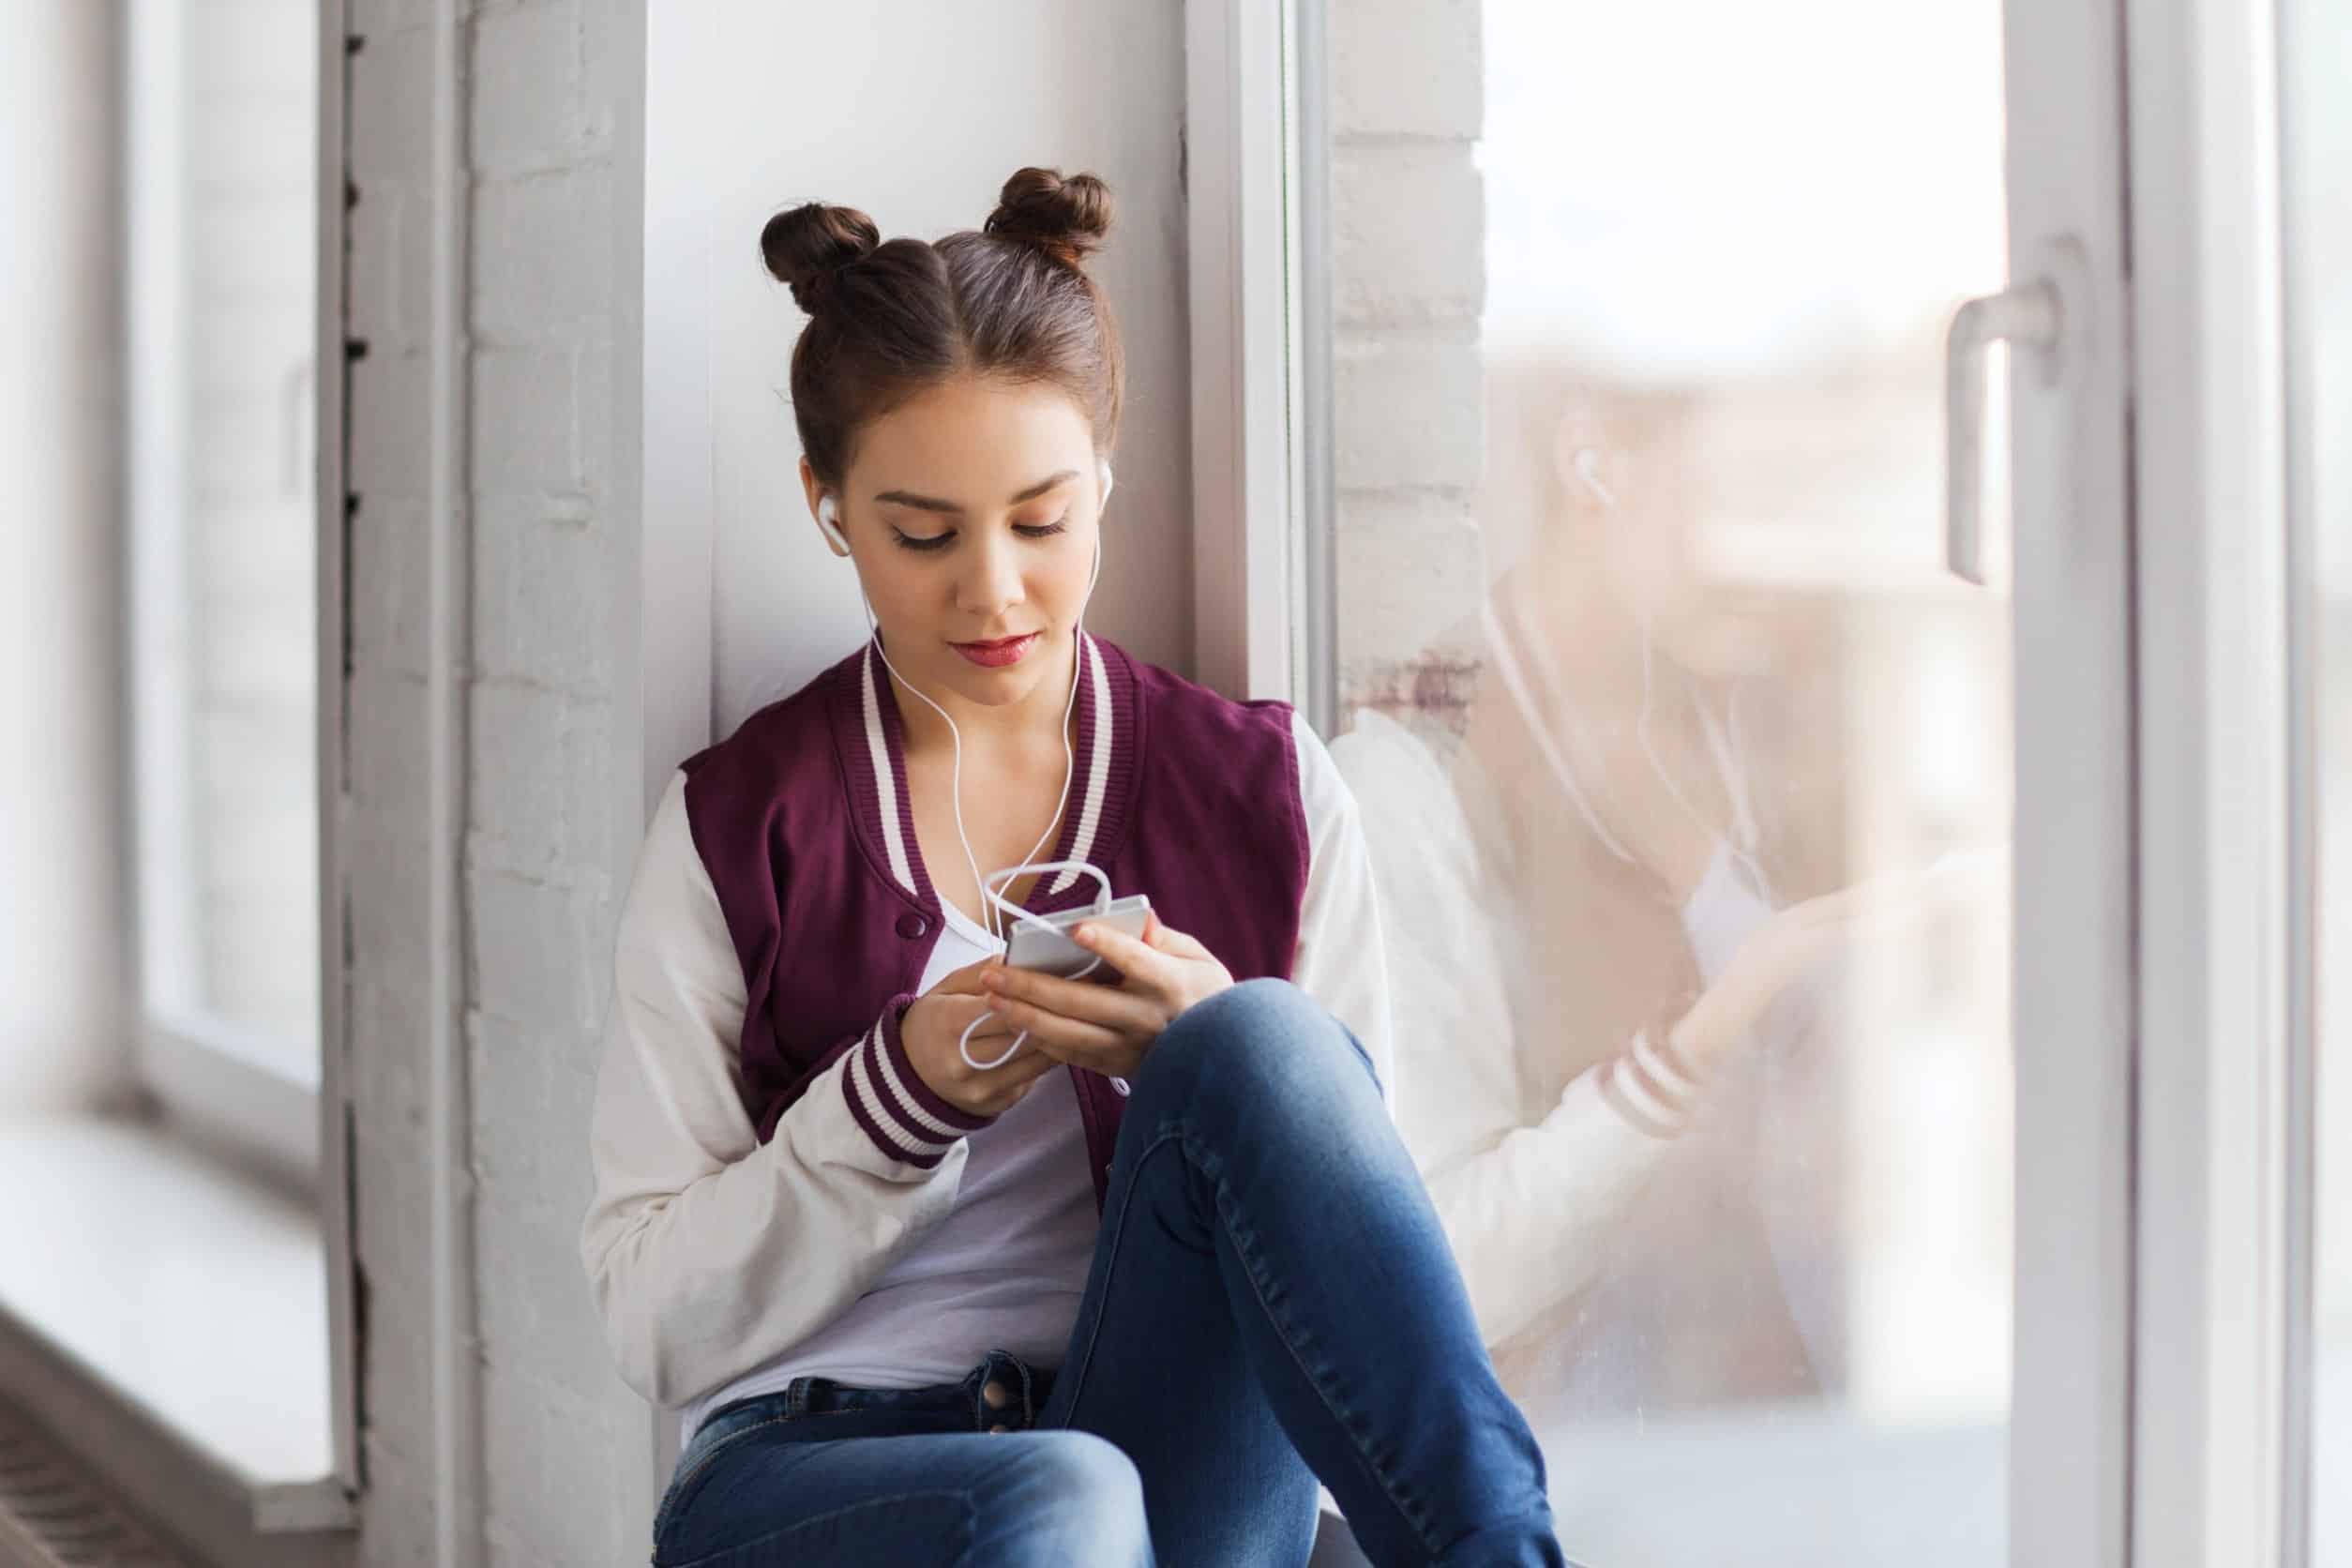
column 991, row 581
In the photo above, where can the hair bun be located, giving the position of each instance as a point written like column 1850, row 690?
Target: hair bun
column 806, row 246
column 1069, row 218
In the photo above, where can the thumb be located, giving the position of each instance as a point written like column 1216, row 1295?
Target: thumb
column 1166, row 939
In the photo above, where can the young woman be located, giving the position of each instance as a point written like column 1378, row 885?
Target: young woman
column 949, row 1261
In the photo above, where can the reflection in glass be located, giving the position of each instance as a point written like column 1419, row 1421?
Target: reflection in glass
column 1692, row 821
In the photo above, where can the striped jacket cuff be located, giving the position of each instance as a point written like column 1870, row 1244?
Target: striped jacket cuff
column 1652, row 1085
column 889, row 1099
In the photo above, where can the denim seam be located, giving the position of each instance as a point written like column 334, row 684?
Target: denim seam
column 1372, row 1467
column 1086, row 1361
column 962, row 1553
column 675, row 1493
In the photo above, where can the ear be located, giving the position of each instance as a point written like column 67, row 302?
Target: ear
column 829, row 523
column 809, row 486
column 825, row 508
column 1586, row 463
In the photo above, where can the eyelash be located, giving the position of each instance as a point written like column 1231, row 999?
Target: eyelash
column 941, row 541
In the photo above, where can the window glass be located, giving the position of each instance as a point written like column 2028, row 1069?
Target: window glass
column 1686, row 763
column 222, row 224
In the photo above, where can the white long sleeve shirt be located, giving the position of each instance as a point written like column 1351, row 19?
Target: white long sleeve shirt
column 724, row 1267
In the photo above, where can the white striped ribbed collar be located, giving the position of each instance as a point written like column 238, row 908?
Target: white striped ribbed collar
column 873, row 747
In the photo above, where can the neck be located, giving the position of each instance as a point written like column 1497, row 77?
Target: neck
column 1578, row 637
column 1036, row 716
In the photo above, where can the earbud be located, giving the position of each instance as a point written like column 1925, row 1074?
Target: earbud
column 1587, row 463
column 829, row 519
column 1106, row 475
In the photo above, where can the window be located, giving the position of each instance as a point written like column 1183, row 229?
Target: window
column 1668, row 718
column 221, row 227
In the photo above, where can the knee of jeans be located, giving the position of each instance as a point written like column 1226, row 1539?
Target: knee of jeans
column 1228, row 1038
column 1082, row 1491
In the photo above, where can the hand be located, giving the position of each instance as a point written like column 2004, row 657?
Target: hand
column 935, row 1024
column 1788, row 948
column 1108, row 1029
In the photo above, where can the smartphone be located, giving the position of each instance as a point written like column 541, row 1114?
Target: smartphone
column 1050, row 951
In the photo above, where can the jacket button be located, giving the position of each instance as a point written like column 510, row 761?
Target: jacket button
column 995, row 1393
column 911, row 926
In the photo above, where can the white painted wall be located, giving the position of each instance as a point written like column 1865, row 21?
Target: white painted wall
column 64, row 1030
column 915, row 111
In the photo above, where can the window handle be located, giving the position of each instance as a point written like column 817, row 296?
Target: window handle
column 2025, row 314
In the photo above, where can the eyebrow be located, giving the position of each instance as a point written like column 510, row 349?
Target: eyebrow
column 932, row 504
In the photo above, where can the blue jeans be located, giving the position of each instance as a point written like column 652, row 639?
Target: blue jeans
column 1271, row 1301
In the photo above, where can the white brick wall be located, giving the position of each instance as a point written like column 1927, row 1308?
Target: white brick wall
column 565, row 1449
column 1408, row 282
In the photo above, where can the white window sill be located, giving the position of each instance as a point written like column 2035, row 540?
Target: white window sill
column 166, row 1317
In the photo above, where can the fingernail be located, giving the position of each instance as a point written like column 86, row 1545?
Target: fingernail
column 1084, row 934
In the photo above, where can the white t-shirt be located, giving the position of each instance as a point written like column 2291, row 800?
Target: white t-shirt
column 1004, row 1269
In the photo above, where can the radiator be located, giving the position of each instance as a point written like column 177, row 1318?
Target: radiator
column 52, row 1516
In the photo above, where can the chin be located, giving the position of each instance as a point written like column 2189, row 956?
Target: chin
column 992, row 688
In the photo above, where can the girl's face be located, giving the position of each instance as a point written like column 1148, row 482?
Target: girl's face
column 972, row 513
column 1630, row 480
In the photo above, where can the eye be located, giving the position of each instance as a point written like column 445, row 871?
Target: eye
column 936, row 541
column 1047, row 530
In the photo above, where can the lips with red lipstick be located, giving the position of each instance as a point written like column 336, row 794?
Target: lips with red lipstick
column 1001, row 652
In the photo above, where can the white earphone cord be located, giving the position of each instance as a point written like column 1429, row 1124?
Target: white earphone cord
column 1740, row 839
column 988, row 892
column 990, row 900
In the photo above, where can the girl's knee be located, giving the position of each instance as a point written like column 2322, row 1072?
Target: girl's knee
column 1079, row 1491
column 1264, row 1031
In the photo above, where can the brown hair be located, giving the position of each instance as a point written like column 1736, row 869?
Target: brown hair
column 887, row 320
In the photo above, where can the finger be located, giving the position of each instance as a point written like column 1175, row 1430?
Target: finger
column 1125, row 1010
column 988, row 1039
column 1111, row 1062
column 1129, row 956
column 1160, row 935
column 1029, row 1061
column 1060, row 1033
column 961, row 1010
column 966, row 981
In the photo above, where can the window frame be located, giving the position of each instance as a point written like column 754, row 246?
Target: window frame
column 224, row 1091
column 331, row 1110
column 2226, row 843
column 1249, row 469
column 2158, row 1418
